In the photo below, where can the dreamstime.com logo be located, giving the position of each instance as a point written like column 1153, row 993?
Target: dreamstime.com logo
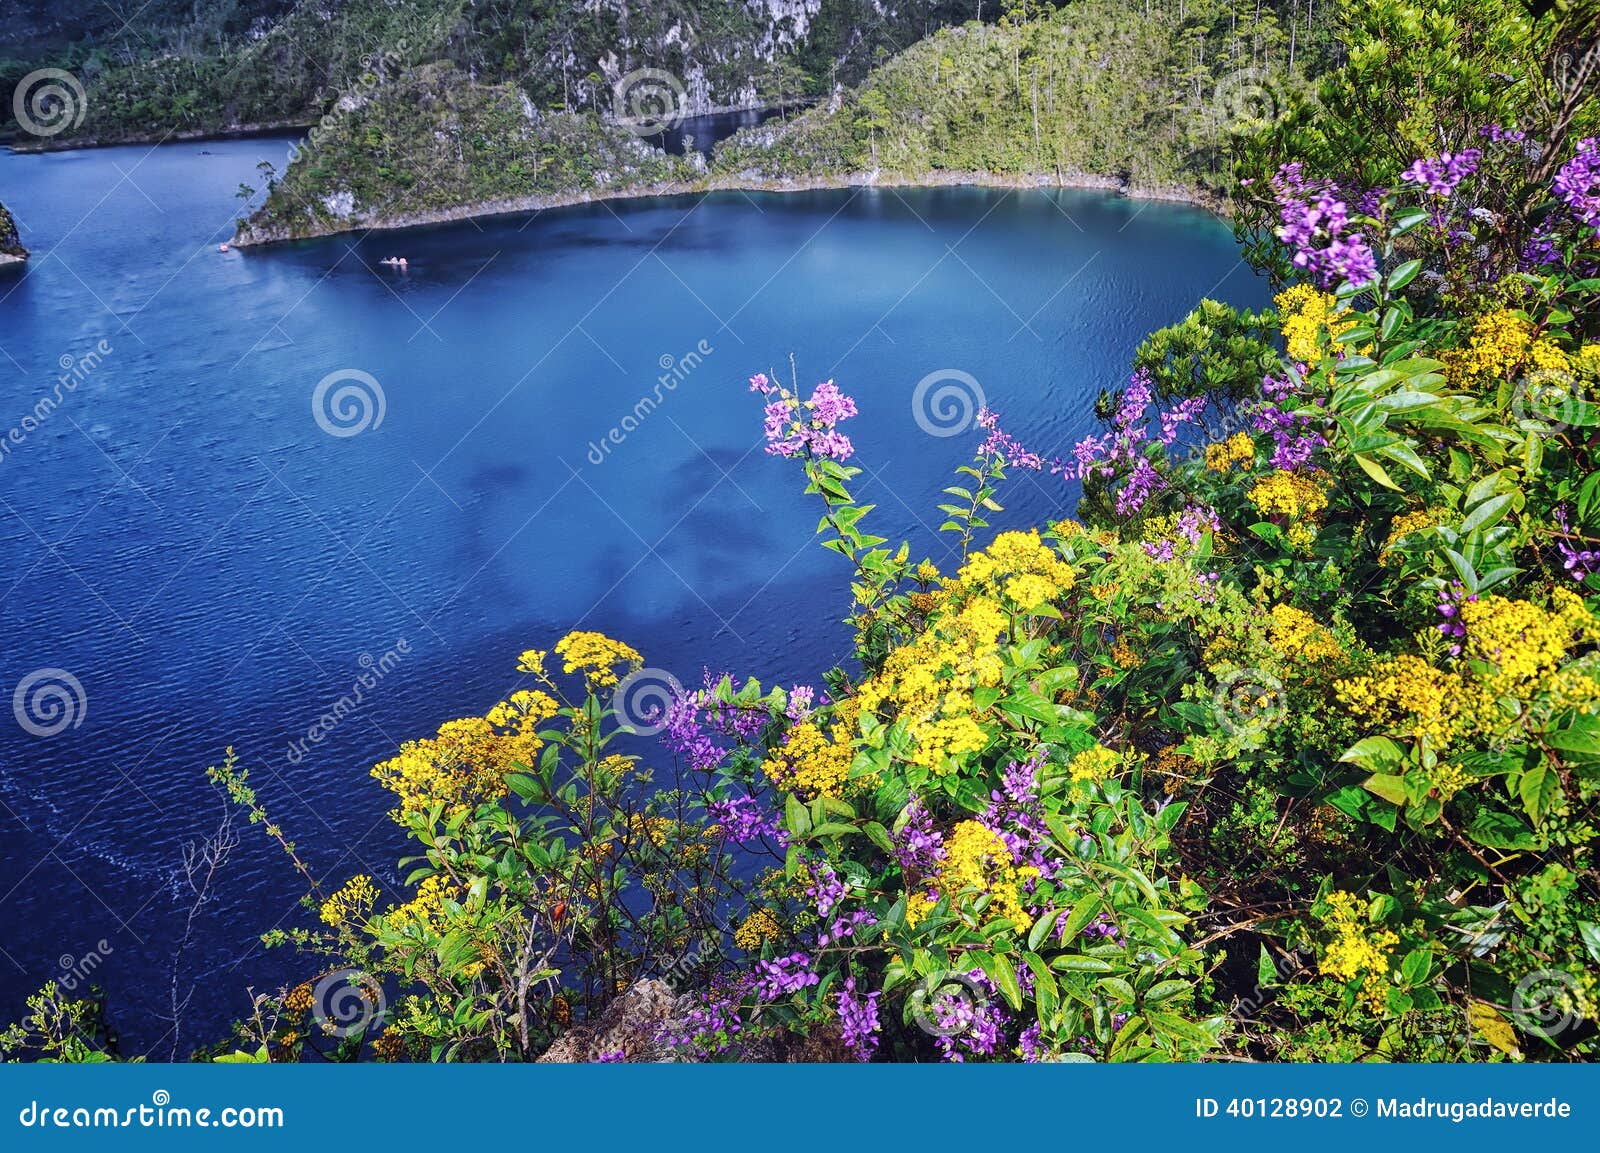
column 642, row 699
column 74, row 371
column 948, row 1006
column 674, row 371
column 649, row 101
column 48, row 101
column 347, row 402
column 1248, row 701
column 158, row 1113
column 48, row 702
column 1544, row 1002
column 1245, row 96
column 373, row 670
column 347, row 1002
column 946, row 402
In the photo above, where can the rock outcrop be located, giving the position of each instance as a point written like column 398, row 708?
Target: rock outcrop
column 11, row 250
column 630, row 1026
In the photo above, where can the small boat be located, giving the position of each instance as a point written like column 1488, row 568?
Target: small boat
column 222, row 248
column 396, row 261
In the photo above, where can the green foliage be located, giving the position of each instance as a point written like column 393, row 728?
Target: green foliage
column 1101, row 88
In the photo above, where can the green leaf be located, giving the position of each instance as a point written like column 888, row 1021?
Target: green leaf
column 1487, row 514
column 1496, row 830
column 1375, row 470
column 1404, row 274
column 1029, row 704
column 1375, row 754
column 1005, row 976
column 1082, row 913
column 1388, row 786
column 1077, row 963
column 1539, row 789
column 1590, row 932
column 1266, row 970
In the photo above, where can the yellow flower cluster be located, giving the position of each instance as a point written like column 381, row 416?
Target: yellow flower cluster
column 1298, row 497
column 1304, row 313
column 1498, row 344
column 427, row 910
column 1292, row 494
column 1407, row 695
column 1512, row 651
column 596, row 655
column 1295, row 635
column 466, row 764
column 978, row 862
column 756, row 930
column 1357, row 952
column 1022, row 567
column 351, row 902
column 1094, row 764
column 300, row 998
column 1407, row 523
column 808, row 764
column 1238, row 449
column 927, row 684
column 1448, row 780
column 1521, row 643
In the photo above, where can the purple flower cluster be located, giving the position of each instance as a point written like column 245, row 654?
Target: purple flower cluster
column 741, row 820
column 1190, row 525
column 695, row 718
column 1541, row 249
column 783, row 976
column 826, row 891
column 802, row 703
column 858, row 1020
column 1316, row 226
column 967, row 1018
column 844, row 928
column 1187, row 412
column 1450, row 601
column 1578, row 182
column 1439, row 175
column 1295, row 442
column 1003, row 445
column 609, row 1056
column 687, row 736
column 1102, row 927
column 711, row 1026
column 1497, row 133
column 919, row 847
column 795, row 427
column 1016, row 815
column 1123, row 446
column 1578, row 563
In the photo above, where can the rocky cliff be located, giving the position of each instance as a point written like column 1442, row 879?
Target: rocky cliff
column 11, row 250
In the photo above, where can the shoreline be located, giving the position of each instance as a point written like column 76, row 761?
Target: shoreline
column 182, row 136
column 256, row 238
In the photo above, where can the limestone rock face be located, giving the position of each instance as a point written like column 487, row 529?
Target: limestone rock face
column 630, row 1024
column 11, row 249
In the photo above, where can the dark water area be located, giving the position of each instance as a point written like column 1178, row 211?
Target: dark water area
column 198, row 553
column 704, row 133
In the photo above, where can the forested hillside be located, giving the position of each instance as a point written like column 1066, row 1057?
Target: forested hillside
column 198, row 68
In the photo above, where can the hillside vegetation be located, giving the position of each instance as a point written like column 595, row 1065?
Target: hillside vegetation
column 432, row 142
column 1100, row 90
column 212, row 68
column 1145, row 94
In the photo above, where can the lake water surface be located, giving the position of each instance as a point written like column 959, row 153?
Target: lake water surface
column 184, row 536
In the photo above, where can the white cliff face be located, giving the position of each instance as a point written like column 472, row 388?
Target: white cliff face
column 340, row 205
column 788, row 22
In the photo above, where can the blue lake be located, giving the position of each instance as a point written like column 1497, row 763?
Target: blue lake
column 182, row 534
